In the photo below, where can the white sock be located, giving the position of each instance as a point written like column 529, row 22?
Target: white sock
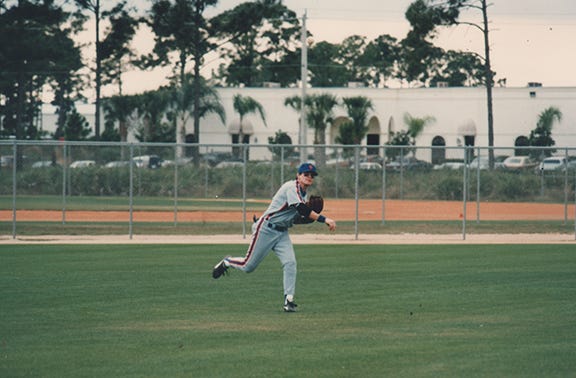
column 289, row 298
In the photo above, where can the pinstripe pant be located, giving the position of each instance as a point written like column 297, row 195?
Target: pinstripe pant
column 265, row 240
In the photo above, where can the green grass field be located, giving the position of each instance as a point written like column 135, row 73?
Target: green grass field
column 364, row 311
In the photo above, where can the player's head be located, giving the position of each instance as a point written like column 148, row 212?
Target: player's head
column 308, row 169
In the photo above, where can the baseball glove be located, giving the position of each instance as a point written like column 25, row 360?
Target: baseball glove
column 316, row 203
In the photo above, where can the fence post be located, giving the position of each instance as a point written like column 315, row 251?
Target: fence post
column 356, row 187
column 566, row 187
column 383, row 185
column 478, row 186
column 176, row 184
column 14, row 188
column 464, row 192
column 131, row 190
column 244, row 159
column 64, row 179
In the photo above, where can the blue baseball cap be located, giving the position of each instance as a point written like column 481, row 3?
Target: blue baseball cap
column 307, row 168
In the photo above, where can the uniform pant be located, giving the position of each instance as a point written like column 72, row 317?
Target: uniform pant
column 265, row 240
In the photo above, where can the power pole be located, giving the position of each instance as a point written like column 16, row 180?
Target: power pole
column 304, row 83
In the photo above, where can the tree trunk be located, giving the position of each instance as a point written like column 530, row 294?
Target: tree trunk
column 489, row 84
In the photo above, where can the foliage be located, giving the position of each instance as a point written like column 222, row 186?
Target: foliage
column 263, row 38
column 319, row 112
column 76, row 128
column 416, row 125
column 156, row 124
column 541, row 136
column 116, row 52
column 112, row 49
column 379, row 59
column 182, row 33
column 399, row 138
column 355, row 130
column 324, row 68
column 36, row 48
column 283, row 138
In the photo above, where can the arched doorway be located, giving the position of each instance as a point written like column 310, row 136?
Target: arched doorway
column 438, row 150
column 239, row 131
column 373, row 137
column 468, row 131
column 521, row 146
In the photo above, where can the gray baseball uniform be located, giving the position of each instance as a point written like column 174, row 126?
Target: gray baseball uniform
column 270, row 233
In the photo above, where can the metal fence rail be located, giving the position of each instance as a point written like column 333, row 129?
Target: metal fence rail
column 175, row 172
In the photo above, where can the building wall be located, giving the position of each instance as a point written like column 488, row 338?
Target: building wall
column 516, row 112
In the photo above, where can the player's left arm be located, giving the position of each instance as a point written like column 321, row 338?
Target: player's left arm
column 307, row 212
column 331, row 223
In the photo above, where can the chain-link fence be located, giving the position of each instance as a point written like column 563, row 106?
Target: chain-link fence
column 129, row 178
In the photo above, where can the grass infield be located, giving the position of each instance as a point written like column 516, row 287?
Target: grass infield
column 366, row 311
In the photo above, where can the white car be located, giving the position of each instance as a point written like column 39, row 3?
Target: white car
column 147, row 161
column 117, row 164
column 43, row 164
column 552, row 163
column 82, row 164
column 369, row 166
column 453, row 165
column 518, row 162
column 230, row 164
column 484, row 162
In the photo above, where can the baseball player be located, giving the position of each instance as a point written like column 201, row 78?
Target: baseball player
column 270, row 232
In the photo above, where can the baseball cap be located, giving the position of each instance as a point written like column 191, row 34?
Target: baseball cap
column 307, row 168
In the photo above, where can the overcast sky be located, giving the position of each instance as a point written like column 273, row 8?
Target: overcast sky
column 531, row 40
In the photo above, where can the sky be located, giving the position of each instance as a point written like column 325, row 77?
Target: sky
column 531, row 40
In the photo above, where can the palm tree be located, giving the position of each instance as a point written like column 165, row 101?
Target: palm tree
column 541, row 136
column 244, row 105
column 354, row 131
column 416, row 126
column 319, row 114
column 187, row 98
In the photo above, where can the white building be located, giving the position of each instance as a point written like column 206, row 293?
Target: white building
column 457, row 111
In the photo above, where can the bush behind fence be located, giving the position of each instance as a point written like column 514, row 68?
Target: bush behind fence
column 227, row 171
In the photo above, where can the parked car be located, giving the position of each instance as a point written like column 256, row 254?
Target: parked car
column 6, row 161
column 343, row 163
column 369, row 166
column 450, row 165
column 213, row 158
column 44, row 164
column 147, row 161
column 82, row 164
column 484, row 162
column 553, row 163
column 117, row 164
column 230, row 164
column 408, row 163
column 571, row 163
column 519, row 162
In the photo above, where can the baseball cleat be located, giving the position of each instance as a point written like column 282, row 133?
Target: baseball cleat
column 290, row 306
column 220, row 269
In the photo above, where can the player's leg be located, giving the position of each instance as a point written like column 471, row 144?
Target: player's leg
column 263, row 240
column 285, row 253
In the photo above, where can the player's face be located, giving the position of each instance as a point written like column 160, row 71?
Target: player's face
column 306, row 179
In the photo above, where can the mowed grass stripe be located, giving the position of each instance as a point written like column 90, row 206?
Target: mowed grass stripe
column 392, row 310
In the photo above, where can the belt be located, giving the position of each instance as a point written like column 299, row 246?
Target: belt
column 277, row 228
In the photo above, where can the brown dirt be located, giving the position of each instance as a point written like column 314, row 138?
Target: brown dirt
column 341, row 210
column 344, row 210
